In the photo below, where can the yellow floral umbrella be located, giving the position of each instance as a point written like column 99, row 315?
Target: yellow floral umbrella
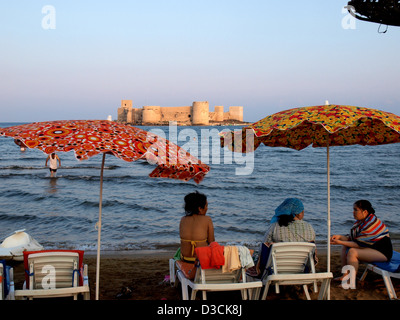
column 319, row 126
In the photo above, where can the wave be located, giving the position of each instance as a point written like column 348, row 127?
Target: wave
column 46, row 219
column 19, row 167
column 20, row 194
column 17, row 218
column 122, row 206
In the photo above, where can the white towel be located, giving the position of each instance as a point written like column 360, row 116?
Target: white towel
column 245, row 257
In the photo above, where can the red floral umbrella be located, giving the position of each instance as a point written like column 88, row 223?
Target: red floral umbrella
column 91, row 137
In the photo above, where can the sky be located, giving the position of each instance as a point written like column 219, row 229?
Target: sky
column 72, row 59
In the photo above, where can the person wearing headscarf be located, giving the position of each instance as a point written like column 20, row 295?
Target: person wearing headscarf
column 287, row 225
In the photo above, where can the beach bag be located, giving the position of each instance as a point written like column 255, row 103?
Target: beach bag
column 263, row 259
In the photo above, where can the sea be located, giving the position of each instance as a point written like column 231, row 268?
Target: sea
column 143, row 213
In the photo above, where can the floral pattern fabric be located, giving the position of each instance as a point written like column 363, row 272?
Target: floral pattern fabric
column 319, row 126
column 91, row 137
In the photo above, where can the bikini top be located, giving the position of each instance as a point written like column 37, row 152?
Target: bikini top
column 193, row 243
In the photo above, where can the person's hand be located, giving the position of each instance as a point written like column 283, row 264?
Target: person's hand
column 335, row 239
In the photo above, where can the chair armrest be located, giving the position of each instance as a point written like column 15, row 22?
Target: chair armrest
column 85, row 275
column 11, row 291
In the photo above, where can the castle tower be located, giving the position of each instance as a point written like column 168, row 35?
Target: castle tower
column 200, row 113
column 236, row 113
column 151, row 114
column 123, row 111
column 130, row 116
column 219, row 113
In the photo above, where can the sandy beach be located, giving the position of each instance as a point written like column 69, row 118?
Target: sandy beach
column 144, row 272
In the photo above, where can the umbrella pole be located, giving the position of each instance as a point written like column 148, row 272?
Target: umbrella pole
column 99, row 228
column 329, row 210
column 328, row 258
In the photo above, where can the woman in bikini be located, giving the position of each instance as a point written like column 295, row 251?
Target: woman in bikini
column 195, row 229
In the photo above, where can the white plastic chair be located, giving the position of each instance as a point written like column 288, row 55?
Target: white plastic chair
column 286, row 265
column 216, row 280
column 387, row 270
column 206, row 280
column 55, row 274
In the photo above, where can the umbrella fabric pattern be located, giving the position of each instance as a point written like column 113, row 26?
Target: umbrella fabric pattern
column 320, row 126
column 91, row 137
column 88, row 138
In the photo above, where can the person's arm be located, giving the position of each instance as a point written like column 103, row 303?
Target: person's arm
column 210, row 236
column 344, row 241
column 349, row 244
column 59, row 161
column 339, row 237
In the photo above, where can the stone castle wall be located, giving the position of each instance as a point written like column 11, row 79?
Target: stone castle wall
column 196, row 114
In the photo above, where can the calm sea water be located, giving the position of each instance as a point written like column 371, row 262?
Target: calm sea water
column 143, row 213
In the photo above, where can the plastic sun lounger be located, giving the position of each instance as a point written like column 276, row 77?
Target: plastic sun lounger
column 52, row 274
column 206, row 280
column 387, row 270
column 216, row 280
column 286, row 264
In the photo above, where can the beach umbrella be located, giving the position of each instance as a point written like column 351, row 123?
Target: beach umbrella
column 386, row 12
column 91, row 137
column 319, row 126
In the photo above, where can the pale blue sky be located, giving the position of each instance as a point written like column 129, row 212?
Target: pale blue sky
column 264, row 55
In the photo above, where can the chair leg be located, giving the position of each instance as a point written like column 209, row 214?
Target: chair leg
column 315, row 286
column 254, row 294
column 389, row 285
column 265, row 293
column 306, row 291
column 171, row 271
column 364, row 274
column 184, row 284
column 323, row 292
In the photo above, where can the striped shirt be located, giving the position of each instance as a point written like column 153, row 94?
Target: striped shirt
column 369, row 231
column 296, row 231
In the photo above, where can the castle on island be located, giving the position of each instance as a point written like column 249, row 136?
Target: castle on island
column 197, row 114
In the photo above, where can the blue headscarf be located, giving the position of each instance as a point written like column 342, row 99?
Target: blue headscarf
column 291, row 206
